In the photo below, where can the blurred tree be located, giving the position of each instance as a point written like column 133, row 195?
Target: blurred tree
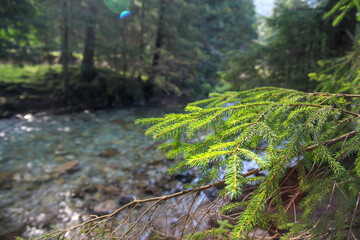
column 14, row 29
column 65, row 51
column 88, row 71
column 298, row 38
column 165, row 47
column 225, row 27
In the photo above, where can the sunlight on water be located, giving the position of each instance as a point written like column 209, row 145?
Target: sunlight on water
column 117, row 6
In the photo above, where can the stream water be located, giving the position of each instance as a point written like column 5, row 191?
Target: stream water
column 56, row 170
column 115, row 161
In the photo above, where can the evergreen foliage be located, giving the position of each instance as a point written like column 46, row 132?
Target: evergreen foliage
column 344, row 7
column 276, row 129
column 339, row 74
column 295, row 38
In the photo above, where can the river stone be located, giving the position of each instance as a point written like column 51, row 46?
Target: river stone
column 110, row 152
column 60, row 153
column 10, row 232
column 258, row 233
column 42, row 220
column 5, row 177
column 125, row 199
column 110, row 190
column 67, row 167
column 105, row 207
column 28, row 177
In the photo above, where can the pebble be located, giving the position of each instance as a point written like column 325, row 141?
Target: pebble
column 258, row 233
column 110, row 152
column 5, row 177
column 110, row 190
column 105, row 207
column 42, row 220
column 67, row 167
column 10, row 232
column 125, row 199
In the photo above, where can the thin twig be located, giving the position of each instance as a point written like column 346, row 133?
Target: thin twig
column 335, row 95
column 333, row 141
column 188, row 214
column 353, row 217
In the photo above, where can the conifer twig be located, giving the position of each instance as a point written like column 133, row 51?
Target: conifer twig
column 334, row 141
column 335, row 94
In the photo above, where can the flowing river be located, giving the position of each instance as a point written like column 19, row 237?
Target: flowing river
column 56, row 170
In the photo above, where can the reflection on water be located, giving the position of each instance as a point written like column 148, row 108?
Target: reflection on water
column 111, row 154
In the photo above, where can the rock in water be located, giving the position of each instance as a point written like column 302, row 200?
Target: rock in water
column 8, row 232
column 109, row 152
column 110, row 190
column 5, row 177
column 67, row 167
column 105, row 207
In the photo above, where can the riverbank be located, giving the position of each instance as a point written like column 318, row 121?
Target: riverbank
column 33, row 89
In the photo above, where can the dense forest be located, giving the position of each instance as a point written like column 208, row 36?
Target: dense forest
column 268, row 148
column 83, row 54
column 164, row 49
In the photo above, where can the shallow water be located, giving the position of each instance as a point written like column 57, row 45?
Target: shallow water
column 116, row 162
column 107, row 146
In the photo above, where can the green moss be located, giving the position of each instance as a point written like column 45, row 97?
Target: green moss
column 27, row 74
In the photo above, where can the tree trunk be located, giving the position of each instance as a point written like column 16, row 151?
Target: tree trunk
column 149, row 85
column 88, row 71
column 65, row 50
column 115, row 59
column 142, row 32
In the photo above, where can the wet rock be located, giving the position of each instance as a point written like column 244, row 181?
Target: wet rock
column 152, row 190
column 54, row 175
column 3, row 159
column 60, row 153
column 124, row 124
column 28, row 177
column 80, row 192
column 110, row 190
column 8, row 186
column 60, row 182
column 10, row 232
column 141, row 176
column 105, row 207
column 90, row 189
column 5, row 178
column 185, row 177
column 67, row 167
column 42, row 220
column 116, row 166
column 125, row 199
column 59, row 158
column 16, row 177
column 173, row 186
column 110, row 152
column 70, row 157
column 45, row 178
column 164, row 224
column 85, row 134
column 5, row 114
column 258, row 233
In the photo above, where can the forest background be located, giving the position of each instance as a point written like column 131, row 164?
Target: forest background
column 77, row 53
